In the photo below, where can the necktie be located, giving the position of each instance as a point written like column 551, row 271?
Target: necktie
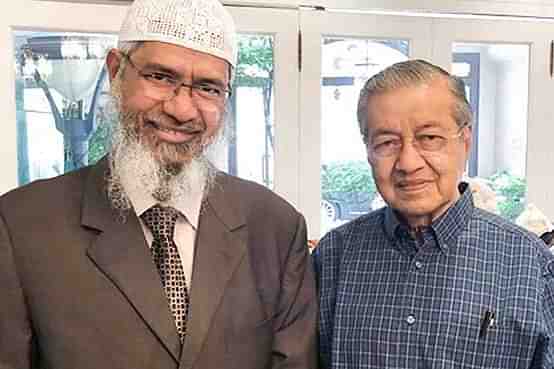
column 161, row 222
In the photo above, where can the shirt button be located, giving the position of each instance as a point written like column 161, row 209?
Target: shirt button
column 418, row 264
column 410, row 319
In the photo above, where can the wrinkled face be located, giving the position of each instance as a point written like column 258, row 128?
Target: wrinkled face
column 175, row 128
column 419, row 184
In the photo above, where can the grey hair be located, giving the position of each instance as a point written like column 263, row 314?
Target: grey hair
column 409, row 74
column 128, row 47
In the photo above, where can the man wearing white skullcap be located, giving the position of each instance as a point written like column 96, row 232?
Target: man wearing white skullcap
column 153, row 258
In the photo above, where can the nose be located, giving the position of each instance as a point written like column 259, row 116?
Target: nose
column 409, row 159
column 182, row 107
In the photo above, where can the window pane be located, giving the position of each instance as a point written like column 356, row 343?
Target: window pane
column 59, row 96
column 347, row 187
column 250, row 143
column 497, row 79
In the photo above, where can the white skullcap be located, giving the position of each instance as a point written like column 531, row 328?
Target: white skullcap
column 201, row 25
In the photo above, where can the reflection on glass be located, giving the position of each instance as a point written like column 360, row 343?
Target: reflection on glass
column 347, row 187
column 497, row 79
column 62, row 105
column 59, row 88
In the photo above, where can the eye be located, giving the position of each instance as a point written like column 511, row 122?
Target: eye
column 431, row 141
column 160, row 78
column 429, row 138
column 386, row 147
column 384, row 143
column 209, row 89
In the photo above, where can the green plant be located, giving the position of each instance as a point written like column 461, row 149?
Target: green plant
column 99, row 143
column 510, row 191
column 347, row 177
column 255, row 67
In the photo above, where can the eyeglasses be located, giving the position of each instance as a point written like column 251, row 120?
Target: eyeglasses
column 423, row 142
column 163, row 86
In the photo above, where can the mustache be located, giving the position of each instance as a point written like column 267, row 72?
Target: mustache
column 162, row 120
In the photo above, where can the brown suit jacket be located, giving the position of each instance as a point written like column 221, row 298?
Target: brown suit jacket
column 79, row 288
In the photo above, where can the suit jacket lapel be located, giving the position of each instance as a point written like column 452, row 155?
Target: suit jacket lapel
column 121, row 253
column 219, row 250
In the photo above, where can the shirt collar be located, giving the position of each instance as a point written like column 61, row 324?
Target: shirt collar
column 446, row 228
column 188, row 205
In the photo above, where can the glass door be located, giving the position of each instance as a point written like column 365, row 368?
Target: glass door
column 262, row 142
column 59, row 110
column 53, row 57
column 505, row 65
column 340, row 52
column 507, row 68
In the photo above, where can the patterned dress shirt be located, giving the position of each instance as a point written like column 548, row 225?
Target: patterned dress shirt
column 470, row 291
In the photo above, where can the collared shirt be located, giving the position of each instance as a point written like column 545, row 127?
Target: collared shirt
column 472, row 290
column 185, row 227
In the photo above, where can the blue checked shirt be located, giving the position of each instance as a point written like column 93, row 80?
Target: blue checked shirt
column 471, row 291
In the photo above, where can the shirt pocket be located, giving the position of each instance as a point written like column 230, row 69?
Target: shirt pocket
column 505, row 342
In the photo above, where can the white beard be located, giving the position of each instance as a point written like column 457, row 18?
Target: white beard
column 134, row 167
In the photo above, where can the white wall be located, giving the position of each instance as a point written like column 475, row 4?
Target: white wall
column 487, row 114
column 487, row 107
column 503, row 97
column 512, row 98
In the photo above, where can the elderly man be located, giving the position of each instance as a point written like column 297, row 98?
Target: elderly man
column 152, row 258
column 429, row 281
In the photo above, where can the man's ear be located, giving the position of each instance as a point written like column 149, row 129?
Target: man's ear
column 113, row 61
column 468, row 139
